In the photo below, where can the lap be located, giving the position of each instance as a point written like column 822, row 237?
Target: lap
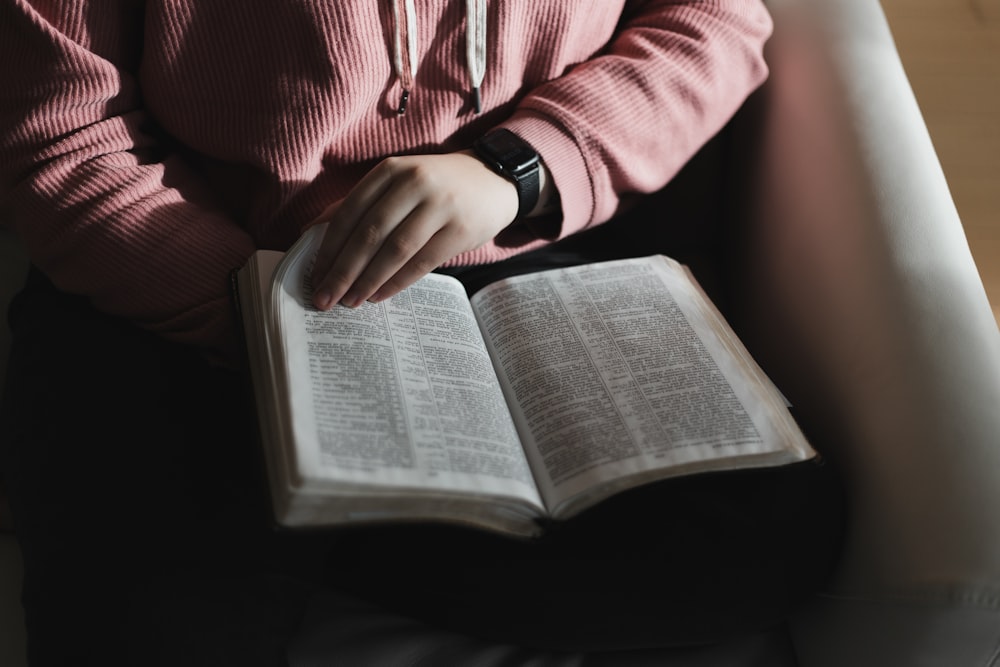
column 683, row 562
column 138, row 492
column 130, row 467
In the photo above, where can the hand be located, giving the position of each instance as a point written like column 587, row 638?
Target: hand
column 405, row 218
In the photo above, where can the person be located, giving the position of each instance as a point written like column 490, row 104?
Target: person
column 149, row 148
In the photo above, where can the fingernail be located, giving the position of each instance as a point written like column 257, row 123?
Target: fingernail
column 322, row 299
column 351, row 300
column 375, row 298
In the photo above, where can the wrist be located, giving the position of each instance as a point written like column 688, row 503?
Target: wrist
column 516, row 161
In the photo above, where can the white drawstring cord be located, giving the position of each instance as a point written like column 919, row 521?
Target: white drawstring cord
column 475, row 47
column 408, row 71
column 404, row 17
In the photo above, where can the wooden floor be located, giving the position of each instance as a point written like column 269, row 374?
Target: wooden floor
column 951, row 52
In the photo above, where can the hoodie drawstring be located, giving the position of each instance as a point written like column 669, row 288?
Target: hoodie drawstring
column 475, row 47
column 404, row 18
column 405, row 72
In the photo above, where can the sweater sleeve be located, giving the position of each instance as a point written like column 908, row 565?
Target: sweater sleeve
column 103, row 209
column 627, row 120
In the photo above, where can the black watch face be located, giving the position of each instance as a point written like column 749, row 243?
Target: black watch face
column 512, row 154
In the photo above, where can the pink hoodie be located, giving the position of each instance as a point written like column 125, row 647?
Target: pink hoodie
column 146, row 149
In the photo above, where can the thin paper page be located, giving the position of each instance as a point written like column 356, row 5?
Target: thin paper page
column 616, row 370
column 400, row 392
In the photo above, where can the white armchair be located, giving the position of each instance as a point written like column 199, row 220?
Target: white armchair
column 871, row 315
column 858, row 294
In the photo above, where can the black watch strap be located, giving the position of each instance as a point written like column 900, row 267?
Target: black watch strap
column 514, row 159
column 527, row 185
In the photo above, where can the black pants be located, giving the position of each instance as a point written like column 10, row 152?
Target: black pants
column 136, row 484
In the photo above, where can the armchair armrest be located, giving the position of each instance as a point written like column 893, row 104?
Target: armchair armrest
column 864, row 302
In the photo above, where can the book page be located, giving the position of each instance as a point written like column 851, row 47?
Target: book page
column 617, row 368
column 401, row 392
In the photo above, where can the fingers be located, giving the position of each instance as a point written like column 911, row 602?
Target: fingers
column 357, row 232
column 432, row 255
column 408, row 242
column 404, row 219
column 328, row 276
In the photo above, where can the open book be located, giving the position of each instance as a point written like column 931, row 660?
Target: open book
column 537, row 398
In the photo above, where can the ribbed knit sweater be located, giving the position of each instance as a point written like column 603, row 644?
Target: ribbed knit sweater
column 148, row 148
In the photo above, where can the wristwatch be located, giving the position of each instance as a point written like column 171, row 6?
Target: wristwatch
column 513, row 158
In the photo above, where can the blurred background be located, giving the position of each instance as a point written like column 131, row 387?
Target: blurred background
column 951, row 53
